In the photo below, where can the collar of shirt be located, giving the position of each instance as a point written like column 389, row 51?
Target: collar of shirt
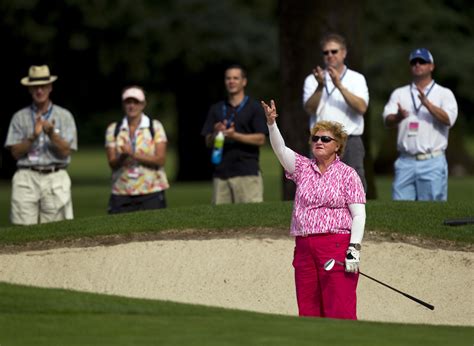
column 34, row 108
column 144, row 122
column 413, row 87
column 314, row 164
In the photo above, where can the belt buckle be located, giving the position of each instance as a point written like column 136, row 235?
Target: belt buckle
column 422, row 157
column 45, row 170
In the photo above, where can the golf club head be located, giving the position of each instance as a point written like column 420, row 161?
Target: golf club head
column 329, row 264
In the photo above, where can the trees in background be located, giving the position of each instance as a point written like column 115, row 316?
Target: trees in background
column 302, row 24
column 178, row 49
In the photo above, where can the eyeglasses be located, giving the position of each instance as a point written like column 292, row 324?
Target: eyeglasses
column 332, row 51
column 418, row 61
column 324, row 139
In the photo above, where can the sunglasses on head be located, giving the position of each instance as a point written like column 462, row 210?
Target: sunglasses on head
column 418, row 61
column 324, row 139
column 332, row 51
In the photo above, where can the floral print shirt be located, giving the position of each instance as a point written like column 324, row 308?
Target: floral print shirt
column 133, row 178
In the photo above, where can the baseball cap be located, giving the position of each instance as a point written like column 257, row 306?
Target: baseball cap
column 134, row 93
column 421, row 53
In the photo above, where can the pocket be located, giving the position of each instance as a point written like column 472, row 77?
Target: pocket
column 23, row 188
column 61, row 189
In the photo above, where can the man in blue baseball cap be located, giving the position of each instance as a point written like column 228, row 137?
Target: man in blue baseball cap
column 423, row 111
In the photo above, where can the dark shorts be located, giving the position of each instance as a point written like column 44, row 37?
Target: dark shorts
column 125, row 204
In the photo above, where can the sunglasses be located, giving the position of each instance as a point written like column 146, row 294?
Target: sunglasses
column 332, row 51
column 418, row 61
column 324, row 139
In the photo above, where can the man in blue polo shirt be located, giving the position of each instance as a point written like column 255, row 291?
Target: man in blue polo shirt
column 423, row 111
column 237, row 177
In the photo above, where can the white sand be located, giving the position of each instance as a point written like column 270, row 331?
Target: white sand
column 253, row 274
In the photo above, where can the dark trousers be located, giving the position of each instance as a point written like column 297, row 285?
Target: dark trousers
column 354, row 156
column 126, row 204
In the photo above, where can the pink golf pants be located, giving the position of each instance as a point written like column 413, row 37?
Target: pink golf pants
column 324, row 293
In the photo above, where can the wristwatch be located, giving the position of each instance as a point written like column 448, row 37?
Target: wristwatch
column 356, row 246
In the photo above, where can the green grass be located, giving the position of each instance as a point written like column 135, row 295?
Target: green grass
column 58, row 317
column 91, row 185
column 424, row 219
column 33, row 316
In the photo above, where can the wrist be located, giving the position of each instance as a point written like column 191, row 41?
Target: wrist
column 356, row 246
column 32, row 138
column 49, row 132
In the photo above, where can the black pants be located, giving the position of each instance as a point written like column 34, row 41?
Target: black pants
column 125, row 204
column 354, row 156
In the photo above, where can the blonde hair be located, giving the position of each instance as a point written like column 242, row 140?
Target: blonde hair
column 337, row 131
column 333, row 37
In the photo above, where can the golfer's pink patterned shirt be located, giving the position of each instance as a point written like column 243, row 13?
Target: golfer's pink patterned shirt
column 322, row 200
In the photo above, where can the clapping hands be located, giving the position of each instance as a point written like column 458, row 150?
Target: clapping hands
column 401, row 113
column 270, row 112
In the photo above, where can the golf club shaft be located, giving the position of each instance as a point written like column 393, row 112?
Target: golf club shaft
column 429, row 306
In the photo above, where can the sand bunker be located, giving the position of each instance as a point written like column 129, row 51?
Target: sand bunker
column 253, row 274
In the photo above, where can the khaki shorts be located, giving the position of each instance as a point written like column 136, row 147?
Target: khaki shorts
column 246, row 189
column 40, row 198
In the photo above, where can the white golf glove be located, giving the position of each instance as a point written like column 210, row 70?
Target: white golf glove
column 352, row 260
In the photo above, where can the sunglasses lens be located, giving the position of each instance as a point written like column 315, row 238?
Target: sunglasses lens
column 332, row 51
column 324, row 139
column 417, row 61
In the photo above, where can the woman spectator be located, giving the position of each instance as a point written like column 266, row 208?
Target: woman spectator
column 328, row 219
column 136, row 152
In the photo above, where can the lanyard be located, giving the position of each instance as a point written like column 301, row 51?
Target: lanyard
column 326, row 84
column 232, row 116
column 417, row 109
column 133, row 136
column 45, row 116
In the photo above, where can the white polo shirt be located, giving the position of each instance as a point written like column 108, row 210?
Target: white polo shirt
column 333, row 106
column 420, row 132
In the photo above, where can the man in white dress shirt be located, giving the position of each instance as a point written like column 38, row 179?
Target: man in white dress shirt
column 337, row 93
column 423, row 111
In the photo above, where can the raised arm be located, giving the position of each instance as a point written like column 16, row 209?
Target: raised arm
column 285, row 155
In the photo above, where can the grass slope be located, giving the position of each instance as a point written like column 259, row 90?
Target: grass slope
column 58, row 317
column 407, row 218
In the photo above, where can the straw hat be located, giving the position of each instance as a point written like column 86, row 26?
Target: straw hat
column 38, row 75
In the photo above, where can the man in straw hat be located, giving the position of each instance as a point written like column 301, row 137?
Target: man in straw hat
column 41, row 137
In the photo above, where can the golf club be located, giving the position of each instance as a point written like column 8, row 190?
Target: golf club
column 330, row 264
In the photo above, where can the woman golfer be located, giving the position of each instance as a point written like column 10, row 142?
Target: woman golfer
column 328, row 219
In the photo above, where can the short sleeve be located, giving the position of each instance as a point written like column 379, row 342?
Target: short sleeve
column 16, row 133
column 259, row 120
column 361, row 89
column 354, row 190
column 160, row 134
column 309, row 87
column 450, row 106
column 392, row 105
column 109, row 136
column 211, row 118
column 70, row 130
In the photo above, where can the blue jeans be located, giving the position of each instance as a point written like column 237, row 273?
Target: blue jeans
column 425, row 180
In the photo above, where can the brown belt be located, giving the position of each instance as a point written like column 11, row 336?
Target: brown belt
column 45, row 169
